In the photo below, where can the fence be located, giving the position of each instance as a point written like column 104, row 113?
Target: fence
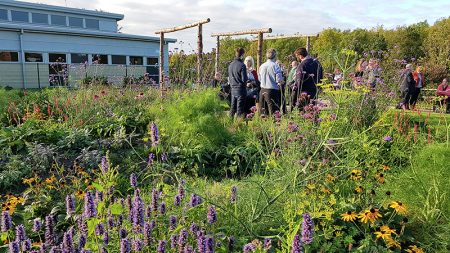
column 40, row 75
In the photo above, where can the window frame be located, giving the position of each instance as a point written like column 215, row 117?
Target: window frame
column 37, row 13
column 42, row 57
column 76, row 26
column 124, row 60
column 12, row 59
column 54, row 15
column 22, row 12
column 87, row 22
column 142, row 60
column 6, row 13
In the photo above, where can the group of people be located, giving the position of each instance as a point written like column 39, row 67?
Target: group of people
column 412, row 84
column 267, row 87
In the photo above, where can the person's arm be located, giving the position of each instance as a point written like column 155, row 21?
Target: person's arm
column 278, row 74
column 244, row 74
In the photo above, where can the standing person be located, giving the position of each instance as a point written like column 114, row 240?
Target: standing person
column 293, row 92
column 283, row 86
column 420, row 83
column 253, row 85
column 407, row 87
column 372, row 73
column 309, row 74
column 271, row 78
column 237, row 76
column 216, row 81
column 443, row 91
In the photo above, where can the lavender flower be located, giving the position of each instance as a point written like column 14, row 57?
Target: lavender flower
column 70, row 205
column 98, row 196
column 194, row 229
column 209, row 245
column 125, row 246
column 42, row 248
column 177, row 200
column 173, row 241
column 138, row 245
column 104, row 165
column 6, row 221
column 387, row 138
column 162, row 208
column 201, row 247
column 14, row 247
column 181, row 191
column 233, row 194
column 154, row 202
column 122, row 233
column 151, row 159
column 148, row 212
column 110, row 222
column 172, row 222
column 90, row 211
column 162, row 246
column 106, row 238
column 296, row 245
column 267, row 244
column 212, row 215
column 119, row 220
column 195, row 200
column 147, row 234
column 67, row 242
column 138, row 214
column 20, row 233
column 99, row 229
column 133, row 180
column 189, row 249
column 152, row 224
column 164, row 157
column 82, row 241
column 307, row 229
column 26, row 245
column 154, row 134
column 249, row 247
column 182, row 240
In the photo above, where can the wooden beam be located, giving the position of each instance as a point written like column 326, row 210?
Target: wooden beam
column 216, row 66
column 179, row 28
column 199, row 54
column 255, row 31
column 161, row 62
column 289, row 36
column 260, row 51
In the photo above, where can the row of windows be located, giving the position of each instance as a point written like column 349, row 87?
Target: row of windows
column 6, row 56
column 58, row 20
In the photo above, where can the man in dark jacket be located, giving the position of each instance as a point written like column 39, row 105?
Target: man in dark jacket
column 237, row 77
column 309, row 74
column 408, row 87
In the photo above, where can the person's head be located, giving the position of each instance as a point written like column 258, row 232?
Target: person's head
column 419, row 69
column 301, row 53
column 239, row 52
column 271, row 54
column 445, row 82
column 337, row 71
column 294, row 64
column 218, row 75
column 249, row 62
column 409, row 66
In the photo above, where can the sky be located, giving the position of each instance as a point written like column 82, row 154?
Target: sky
column 144, row 17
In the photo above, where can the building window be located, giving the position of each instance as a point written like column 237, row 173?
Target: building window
column 99, row 59
column 33, row 57
column 39, row 18
column 119, row 59
column 9, row 56
column 92, row 24
column 136, row 60
column 59, row 20
column 3, row 14
column 19, row 16
column 152, row 61
column 76, row 22
column 79, row 58
column 61, row 58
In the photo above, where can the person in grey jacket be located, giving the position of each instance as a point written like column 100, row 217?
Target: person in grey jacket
column 271, row 78
column 237, row 77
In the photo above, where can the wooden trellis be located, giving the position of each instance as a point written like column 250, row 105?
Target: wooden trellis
column 308, row 38
column 260, row 33
column 199, row 48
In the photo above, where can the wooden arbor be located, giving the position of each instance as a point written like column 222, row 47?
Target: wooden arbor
column 199, row 48
column 260, row 33
column 308, row 38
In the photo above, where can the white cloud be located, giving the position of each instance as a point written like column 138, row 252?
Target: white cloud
column 284, row 17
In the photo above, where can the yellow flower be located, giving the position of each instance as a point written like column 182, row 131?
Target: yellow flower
column 414, row 249
column 387, row 229
column 338, row 233
column 382, row 235
column 330, row 178
column 356, row 175
column 359, row 189
column 50, row 180
column 369, row 215
column 380, row 178
column 311, row 186
column 386, row 168
column 80, row 194
column 349, row 216
column 29, row 180
column 399, row 207
column 390, row 242
column 325, row 190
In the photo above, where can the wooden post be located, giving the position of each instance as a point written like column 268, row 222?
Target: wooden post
column 308, row 44
column 260, row 51
column 199, row 55
column 216, row 67
column 161, row 62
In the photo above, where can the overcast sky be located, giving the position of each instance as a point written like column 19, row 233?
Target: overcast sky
column 144, row 17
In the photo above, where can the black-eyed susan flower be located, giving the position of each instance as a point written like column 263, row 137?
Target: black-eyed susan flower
column 349, row 216
column 392, row 243
column 355, row 175
column 387, row 229
column 380, row 178
column 359, row 189
column 383, row 235
column 386, row 168
column 369, row 215
column 50, row 180
column 414, row 249
column 399, row 207
column 330, row 178
column 80, row 194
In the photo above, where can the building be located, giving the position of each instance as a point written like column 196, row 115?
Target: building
column 43, row 45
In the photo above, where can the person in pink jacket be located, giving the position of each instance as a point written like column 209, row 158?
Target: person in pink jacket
column 443, row 90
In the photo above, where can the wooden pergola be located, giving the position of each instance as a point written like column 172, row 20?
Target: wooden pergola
column 161, row 33
column 259, row 32
column 308, row 38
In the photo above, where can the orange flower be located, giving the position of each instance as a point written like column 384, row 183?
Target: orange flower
column 369, row 215
column 349, row 216
column 399, row 207
column 414, row 249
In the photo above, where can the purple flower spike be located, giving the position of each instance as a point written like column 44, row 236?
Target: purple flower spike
column 125, row 246
column 14, row 247
column 172, row 222
column 37, row 225
column 70, row 205
column 249, row 247
column 20, row 233
column 133, row 180
column 296, row 245
column 26, row 245
column 209, row 245
column 233, row 194
column 387, row 138
column 90, row 210
column 162, row 246
column 212, row 215
column 154, row 134
column 307, row 229
column 6, row 221
column 162, row 208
